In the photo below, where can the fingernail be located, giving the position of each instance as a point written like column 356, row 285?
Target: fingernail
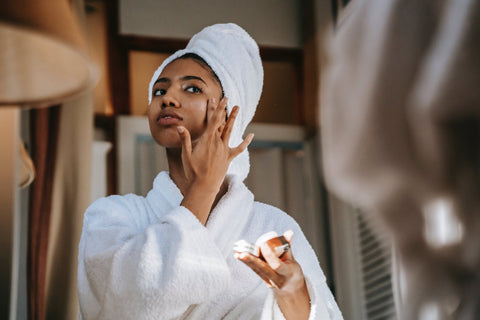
column 180, row 129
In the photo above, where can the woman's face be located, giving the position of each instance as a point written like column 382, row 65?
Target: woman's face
column 179, row 98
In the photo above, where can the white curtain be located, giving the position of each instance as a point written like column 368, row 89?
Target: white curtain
column 283, row 176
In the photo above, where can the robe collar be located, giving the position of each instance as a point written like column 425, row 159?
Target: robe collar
column 229, row 218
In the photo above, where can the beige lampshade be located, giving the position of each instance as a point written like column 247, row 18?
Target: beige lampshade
column 43, row 55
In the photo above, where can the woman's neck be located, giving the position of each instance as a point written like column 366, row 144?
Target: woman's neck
column 175, row 167
column 177, row 174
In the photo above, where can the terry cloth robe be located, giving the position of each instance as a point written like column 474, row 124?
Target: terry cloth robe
column 150, row 258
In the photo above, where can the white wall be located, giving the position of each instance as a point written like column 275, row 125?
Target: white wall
column 269, row 22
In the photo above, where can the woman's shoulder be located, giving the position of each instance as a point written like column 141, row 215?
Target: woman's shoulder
column 125, row 202
column 116, row 209
column 257, row 205
column 269, row 209
column 271, row 213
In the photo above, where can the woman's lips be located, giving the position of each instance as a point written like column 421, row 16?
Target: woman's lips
column 168, row 120
column 168, row 117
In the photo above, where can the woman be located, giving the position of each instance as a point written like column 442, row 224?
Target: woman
column 169, row 255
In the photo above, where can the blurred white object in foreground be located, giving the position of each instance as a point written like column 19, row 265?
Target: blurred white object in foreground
column 401, row 139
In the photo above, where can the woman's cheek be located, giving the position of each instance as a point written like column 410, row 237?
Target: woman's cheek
column 199, row 108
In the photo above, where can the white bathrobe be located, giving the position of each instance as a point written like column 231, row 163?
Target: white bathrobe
column 150, row 258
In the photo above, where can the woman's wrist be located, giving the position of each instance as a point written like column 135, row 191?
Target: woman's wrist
column 294, row 304
column 204, row 186
column 199, row 199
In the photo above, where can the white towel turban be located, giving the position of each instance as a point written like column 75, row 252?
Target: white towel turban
column 234, row 56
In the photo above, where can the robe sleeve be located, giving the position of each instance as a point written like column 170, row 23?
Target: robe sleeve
column 129, row 271
column 322, row 302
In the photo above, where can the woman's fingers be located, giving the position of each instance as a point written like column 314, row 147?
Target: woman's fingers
column 216, row 113
column 211, row 107
column 250, row 262
column 273, row 261
column 229, row 125
column 262, row 269
column 288, row 235
column 221, row 128
column 186, row 141
column 284, row 275
column 220, row 111
column 279, row 265
column 242, row 146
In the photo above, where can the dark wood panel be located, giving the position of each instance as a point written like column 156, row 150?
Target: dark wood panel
column 44, row 128
column 117, row 62
column 140, row 43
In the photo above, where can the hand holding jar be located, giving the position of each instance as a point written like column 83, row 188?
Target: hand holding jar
column 272, row 259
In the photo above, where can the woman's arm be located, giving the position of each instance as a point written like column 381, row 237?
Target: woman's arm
column 130, row 268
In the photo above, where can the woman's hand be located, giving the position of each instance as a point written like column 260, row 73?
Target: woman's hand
column 285, row 277
column 205, row 163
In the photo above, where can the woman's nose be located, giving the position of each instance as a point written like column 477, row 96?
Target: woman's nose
column 169, row 101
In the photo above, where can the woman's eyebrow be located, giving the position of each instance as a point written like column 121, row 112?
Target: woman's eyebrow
column 186, row 78
column 163, row 80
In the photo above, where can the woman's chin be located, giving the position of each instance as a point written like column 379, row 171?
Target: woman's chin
column 171, row 145
column 167, row 138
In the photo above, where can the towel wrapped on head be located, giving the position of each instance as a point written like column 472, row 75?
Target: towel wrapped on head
column 235, row 58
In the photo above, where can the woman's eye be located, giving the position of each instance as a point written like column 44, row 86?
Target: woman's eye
column 194, row 89
column 159, row 92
